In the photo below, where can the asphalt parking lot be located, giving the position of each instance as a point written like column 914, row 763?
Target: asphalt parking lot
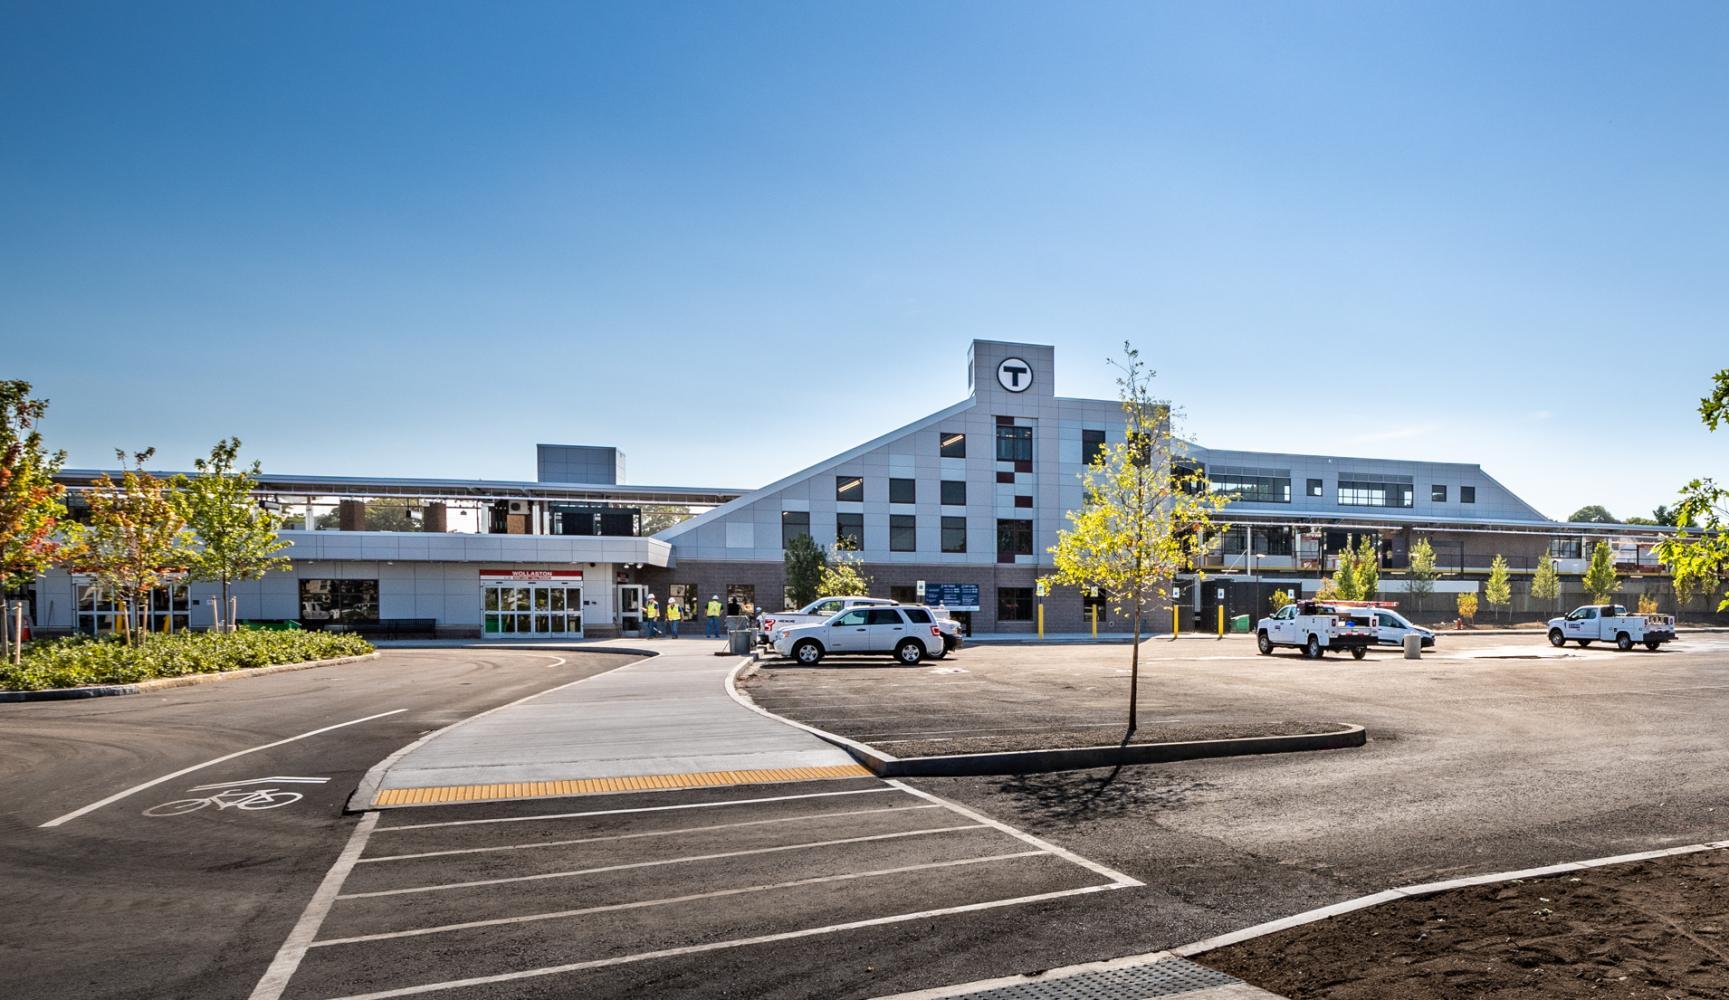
column 605, row 895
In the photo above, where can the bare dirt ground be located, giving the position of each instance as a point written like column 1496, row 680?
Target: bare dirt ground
column 1655, row 929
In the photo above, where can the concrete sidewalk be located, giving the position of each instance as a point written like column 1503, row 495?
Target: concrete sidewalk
column 665, row 721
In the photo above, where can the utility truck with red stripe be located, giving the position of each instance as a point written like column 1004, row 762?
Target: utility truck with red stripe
column 1611, row 623
column 1315, row 627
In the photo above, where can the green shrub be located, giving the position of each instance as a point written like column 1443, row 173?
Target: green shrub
column 81, row 660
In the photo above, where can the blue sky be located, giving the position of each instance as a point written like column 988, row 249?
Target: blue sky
column 735, row 238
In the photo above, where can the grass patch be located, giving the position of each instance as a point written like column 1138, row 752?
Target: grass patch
column 81, row 661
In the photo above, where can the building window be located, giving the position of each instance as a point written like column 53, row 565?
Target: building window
column 339, row 600
column 1315, row 487
column 683, row 595
column 849, row 531
column 902, row 491
column 1092, row 446
column 904, row 595
column 1565, row 548
column 1024, row 502
column 954, row 534
column 903, row 533
column 1014, row 444
column 741, row 598
column 1438, row 493
column 1014, row 604
column 849, row 487
column 1467, row 494
column 953, row 445
column 954, row 492
column 1014, row 538
column 1371, row 490
column 793, row 523
column 99, row 613
column 1252, row 485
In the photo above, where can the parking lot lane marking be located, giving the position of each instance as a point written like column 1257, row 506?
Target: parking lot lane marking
column 637, row 809
column 656, row 864
column 692, row 898
column 117, row 796
column 697, row 949
column 1118, row 878
column 288, row 957
column 652, row 833
column 628, row 783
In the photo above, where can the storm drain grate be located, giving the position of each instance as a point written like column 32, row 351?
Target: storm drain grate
column 1171, row 977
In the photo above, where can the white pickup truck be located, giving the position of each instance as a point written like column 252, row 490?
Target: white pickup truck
column 819, row 610
column 1611, row 623
column 1315, row 627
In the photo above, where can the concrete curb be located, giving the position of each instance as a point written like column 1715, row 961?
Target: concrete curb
column 1428, row 889
column 160, row 683
column 1066, row 759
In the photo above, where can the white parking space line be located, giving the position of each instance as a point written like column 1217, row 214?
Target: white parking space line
column 117, row 796
column 672, row 861
column 651, row 833
column 639, row 809
column 312, row 918
column 694, row 897
column 697, row 949
column 1118, row 879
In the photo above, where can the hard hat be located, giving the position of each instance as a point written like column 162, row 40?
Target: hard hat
column 651, row 597
column 714, row 597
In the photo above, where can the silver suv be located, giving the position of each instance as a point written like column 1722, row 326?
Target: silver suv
column 909, row 633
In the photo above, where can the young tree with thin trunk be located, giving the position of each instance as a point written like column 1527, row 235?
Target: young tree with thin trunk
column 1497, row 590
column 1146, row 515
column 135, row 539
column 844, row 574
column 30, row 501
column 804, row 563
column 237, row 537
column 1368, row 570
column 1600, row 580
column 1420, row 578
column 1546, row 583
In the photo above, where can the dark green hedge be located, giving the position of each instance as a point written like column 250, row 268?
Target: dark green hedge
column 77, row 662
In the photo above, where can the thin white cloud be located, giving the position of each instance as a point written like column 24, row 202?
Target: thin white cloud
column 1542, row 415
column 1398, row 433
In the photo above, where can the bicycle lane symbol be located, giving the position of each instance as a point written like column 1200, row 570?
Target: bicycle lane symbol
column 236, row 795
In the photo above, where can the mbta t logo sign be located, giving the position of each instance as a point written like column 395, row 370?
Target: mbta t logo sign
column 1015, row 375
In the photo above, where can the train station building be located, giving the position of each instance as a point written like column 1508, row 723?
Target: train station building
column 958, row 507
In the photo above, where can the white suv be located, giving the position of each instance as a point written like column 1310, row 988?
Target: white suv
column 909, row 634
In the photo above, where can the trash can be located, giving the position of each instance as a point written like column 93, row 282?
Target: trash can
column 1240, row 624
column 740, row 641
column 1413, row 646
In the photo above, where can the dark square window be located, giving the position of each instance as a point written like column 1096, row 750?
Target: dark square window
column 904, row 595
column 1315, row 487
column 1005, row 477
column 793, row 523
column 903, row 533
column 1024, row 502
column 954, row 492
column 1014, row 537
column 1014, row 444
column 1467, row 494
column 1014, row 604
column 849, row 529
column 1092, row 446
column 339, row 600
column 954, row 445
column 902, row 491
column 954, row 534
column 1438, row 493
column 849, row 487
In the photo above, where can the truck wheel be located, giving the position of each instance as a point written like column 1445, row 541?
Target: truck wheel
column 1583, row 643
column 1623, row 641
column 1264, row 644
column 808, row 652
column 1313, row 649
column 1653, row 645
column 1556, row 639
column 909, row 652
column 1358, row 652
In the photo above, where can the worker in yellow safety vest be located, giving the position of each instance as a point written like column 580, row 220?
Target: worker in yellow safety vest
column 712, row 625
column 651, row 617
column 674, row 615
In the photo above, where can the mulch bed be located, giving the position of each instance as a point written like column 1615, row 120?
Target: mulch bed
column 1649, row 930
column 1059, row 739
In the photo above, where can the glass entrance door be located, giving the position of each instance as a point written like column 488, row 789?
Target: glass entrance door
column 531, row 610
column 630, row 597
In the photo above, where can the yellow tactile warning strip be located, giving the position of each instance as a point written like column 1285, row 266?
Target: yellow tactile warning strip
column 601, row 786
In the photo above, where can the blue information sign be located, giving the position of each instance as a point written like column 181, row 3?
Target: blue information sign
column 953, row 596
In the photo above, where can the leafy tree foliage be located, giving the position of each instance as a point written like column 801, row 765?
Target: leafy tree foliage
column 844, row 573
column 237, row 537
column 1699, row 558
column 1422, row 573
column 1593, row 514
column 1600, row 580
column 1147, row 514
column 1497, row 590
column 1467, row 604
column 804, row 563
column 135, row 538
column 1546, row 583
column 30, row 501
column 1279, row 599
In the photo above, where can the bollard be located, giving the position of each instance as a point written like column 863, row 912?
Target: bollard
column 1413, row 646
